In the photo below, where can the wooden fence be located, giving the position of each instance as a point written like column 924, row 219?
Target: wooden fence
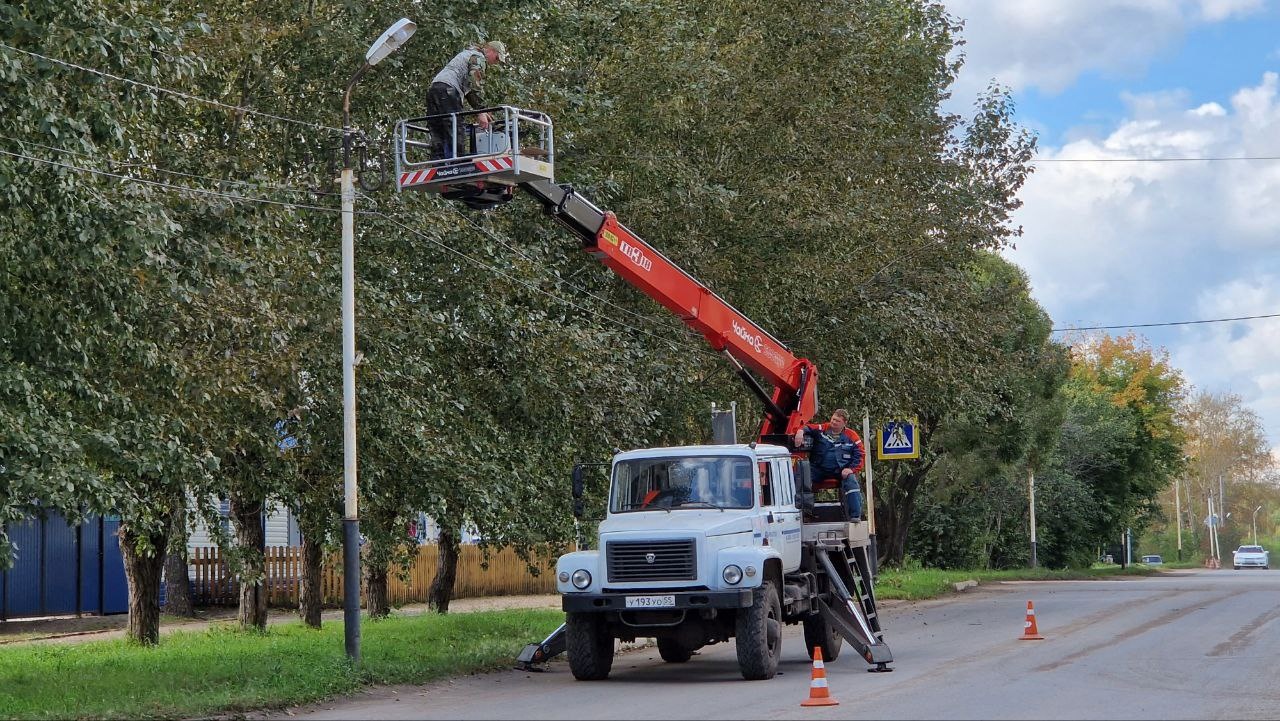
column 212, row 583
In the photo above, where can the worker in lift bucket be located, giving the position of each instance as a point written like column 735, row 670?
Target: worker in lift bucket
column 462, row 78
column 836, row 452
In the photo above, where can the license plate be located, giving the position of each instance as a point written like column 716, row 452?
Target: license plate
column 651, row 601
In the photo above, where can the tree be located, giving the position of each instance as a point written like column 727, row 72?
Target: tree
column 1127, row 444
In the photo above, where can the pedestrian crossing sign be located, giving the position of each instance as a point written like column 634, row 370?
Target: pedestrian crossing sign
column 896, row 440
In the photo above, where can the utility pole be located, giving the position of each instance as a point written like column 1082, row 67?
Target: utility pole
column 1031, row 493
column 1213, row 530
column 1177, row 514
column 1222, row 501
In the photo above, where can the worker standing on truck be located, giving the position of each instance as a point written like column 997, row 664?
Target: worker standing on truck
column 461, row 78
column 837, row 453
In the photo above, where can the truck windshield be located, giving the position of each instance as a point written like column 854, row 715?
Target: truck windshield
column 693, row 482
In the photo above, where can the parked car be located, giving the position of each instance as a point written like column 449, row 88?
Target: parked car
column 1250, row 557
column 1152, row 560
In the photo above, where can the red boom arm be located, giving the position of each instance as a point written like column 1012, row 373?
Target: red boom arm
column 795, row 380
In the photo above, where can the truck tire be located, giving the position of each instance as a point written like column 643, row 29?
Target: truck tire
column 672, row 651
column 590, row 648
column 759, row 634
column 817, row 632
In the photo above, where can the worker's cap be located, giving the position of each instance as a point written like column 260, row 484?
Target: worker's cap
column 500, row 48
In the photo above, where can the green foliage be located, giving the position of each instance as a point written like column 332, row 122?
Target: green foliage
column 794, row 158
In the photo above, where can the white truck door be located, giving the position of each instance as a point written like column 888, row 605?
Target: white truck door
column 786, row 517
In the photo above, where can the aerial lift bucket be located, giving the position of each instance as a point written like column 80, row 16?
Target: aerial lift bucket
column 479, row 166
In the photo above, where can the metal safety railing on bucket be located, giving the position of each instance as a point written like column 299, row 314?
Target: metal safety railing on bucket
column 433, row 149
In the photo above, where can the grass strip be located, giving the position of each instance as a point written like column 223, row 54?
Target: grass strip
column 223, row 670
column 921, row 583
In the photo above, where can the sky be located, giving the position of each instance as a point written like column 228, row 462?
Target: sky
column 1112, row 243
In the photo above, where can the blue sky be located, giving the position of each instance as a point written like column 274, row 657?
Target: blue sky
column 1138, row 242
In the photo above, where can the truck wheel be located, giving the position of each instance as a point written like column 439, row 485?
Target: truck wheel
column 590, row 648
column 672, row 651
column 759, row 634
column 817, row 632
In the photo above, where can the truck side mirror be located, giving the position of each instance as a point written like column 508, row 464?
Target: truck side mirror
column 578, row 509
column 804, row 486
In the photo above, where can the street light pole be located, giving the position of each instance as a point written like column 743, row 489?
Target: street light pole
column 394, row 37
column 1255, row 524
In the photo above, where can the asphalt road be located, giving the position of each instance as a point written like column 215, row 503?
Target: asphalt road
column 1191, row 644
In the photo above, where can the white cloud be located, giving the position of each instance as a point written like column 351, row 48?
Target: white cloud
column 1218, row 10
column 1238, row 357
column 1123, row 242
column 1048, row 44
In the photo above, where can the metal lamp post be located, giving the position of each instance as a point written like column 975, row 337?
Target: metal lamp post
column 1255, row 524
column 393, row 38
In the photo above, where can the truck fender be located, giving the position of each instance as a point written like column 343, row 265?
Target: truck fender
column 584, row 560
column 751, row 559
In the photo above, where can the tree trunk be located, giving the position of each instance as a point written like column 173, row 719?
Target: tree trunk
column 310, row 597
column 177, row 585
column 142, row 572
column 441, row 591
column 251, row 542
column 375, row 589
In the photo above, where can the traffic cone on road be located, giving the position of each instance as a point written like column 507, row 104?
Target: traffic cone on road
column 1029, row 630
column 818, row 694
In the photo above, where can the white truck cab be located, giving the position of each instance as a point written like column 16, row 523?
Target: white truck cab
column 688, row 526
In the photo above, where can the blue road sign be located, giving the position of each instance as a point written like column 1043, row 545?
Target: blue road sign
column 896, row 440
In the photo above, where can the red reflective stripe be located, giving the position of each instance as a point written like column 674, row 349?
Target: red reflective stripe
column 414, row 177
column 493, row 165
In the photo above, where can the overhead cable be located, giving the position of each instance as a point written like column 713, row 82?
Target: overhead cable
column 1168, row 323
column 177, row 93
column 170, row 186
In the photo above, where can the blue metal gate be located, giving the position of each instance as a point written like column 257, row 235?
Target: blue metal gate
column 64, row 569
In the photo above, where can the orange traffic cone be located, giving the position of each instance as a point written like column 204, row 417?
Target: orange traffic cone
column 818, row 694
column 1029, row 630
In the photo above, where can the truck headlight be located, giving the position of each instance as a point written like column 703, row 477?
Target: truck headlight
column 732, row 574
column 581, row 579
column 564, row 577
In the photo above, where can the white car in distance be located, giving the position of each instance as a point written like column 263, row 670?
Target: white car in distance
column 1250, row 557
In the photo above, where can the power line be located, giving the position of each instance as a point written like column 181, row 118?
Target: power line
column 169, row 186
column 1212, row 158
column 177, row 93
column 790, row 157
column 377, row 213
column 319, row 126
column 1169, row 323
column 163, row 171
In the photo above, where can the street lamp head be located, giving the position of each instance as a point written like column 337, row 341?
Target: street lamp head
column 393, row 38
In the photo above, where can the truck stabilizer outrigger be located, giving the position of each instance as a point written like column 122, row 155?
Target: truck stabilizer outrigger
column 742, row 546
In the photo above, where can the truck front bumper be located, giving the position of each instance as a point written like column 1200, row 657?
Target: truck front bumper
column 580, row 602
